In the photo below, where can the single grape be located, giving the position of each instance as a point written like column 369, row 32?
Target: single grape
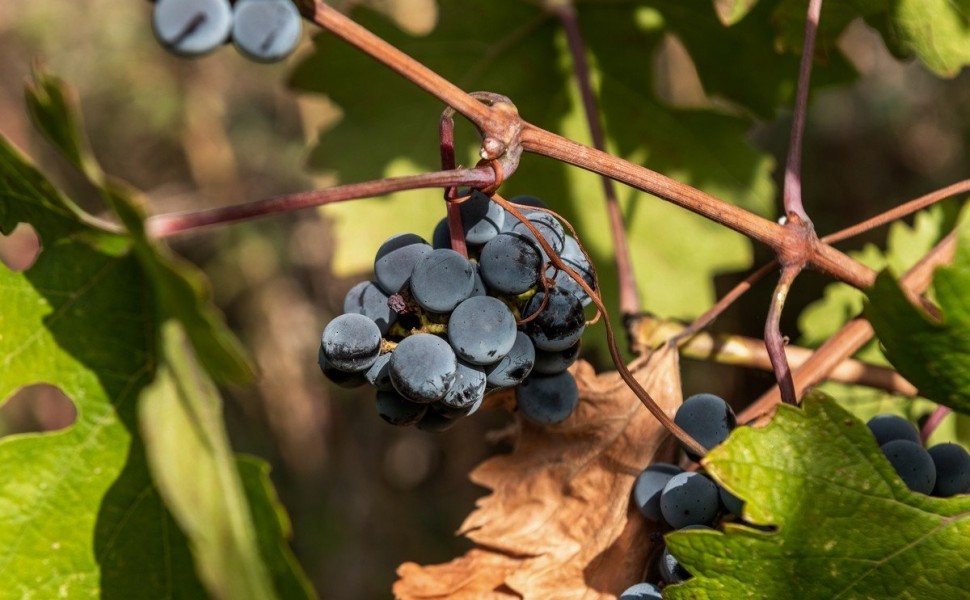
column 641, row 591
column 467, row 389
column 457, row 413
column 341, row 378
column 671, row 571
column 441, row 280
column 514, row 366
column 550, row 363
column 434, row 421
column 510, row 263
column 707, row 418
column 351, row 342
column 481, row 218
column 952, row 469
column 574, row 258
column 479, row 289
column 192, row 27
column 547, row 399
column 398, row 410
column 730, row 502
column 482, row 330
column 368, row 299
column 441, row 238
column 913, row 464
column 887, row 428
column 548, row 227
column 648, row 486
column 423, row 367
column 561, row 322
column 510, row 219
column 266, row 30
column 395, row 260
column 379, row 373
column 689, row 499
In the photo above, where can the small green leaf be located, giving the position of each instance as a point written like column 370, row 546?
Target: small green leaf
column 934, row 355
column 182, row 289
column 847, row 526
column 180, row 417
column 937, row 31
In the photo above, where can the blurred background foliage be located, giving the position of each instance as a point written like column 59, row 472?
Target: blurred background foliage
column 363, row 496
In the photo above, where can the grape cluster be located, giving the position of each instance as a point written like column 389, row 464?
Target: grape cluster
column 262, row 30
column 943, row 470
column 667, row 494
column 434, row 331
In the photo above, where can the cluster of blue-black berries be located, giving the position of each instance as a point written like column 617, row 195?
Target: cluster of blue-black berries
column 435, row 331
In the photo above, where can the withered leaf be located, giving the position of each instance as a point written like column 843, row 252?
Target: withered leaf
column 559, row 522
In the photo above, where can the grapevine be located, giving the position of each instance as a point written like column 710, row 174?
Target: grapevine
column 617, row 483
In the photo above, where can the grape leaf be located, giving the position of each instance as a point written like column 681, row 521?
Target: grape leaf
column 933, row 354
column 847, row 526
column 559, row 522
column 935, row 31
column 79, row 510
column 180, row 417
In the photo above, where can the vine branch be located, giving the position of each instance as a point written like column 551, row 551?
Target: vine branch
column 793, row 166
column 171, row 224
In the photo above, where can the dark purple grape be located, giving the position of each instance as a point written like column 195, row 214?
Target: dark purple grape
column 913, row 464
column 952, row 469
column 707, row 418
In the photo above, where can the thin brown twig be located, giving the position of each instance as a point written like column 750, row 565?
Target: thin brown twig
column 171, row 224
column 899, row 212
column 629, row 293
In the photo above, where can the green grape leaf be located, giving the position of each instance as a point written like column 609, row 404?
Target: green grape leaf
column 935, row 31
column 180, row 417
column 78, row 511
column 81, row 513
column 933, row 354
column 184, row 291
column 752, row 42
column 520, row 50
column 846, row 525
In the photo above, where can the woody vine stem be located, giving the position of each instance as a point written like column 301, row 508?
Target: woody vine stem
column 505, row 135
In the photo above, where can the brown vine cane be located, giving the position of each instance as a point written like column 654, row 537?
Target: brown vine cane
column 689, row 442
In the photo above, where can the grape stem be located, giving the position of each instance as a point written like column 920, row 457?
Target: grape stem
column 936, row 418
column 629, row 294
column 173, row 223
column 775, row 341
column 793, row 165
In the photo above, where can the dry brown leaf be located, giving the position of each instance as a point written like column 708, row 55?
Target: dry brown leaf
column 559, row 522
